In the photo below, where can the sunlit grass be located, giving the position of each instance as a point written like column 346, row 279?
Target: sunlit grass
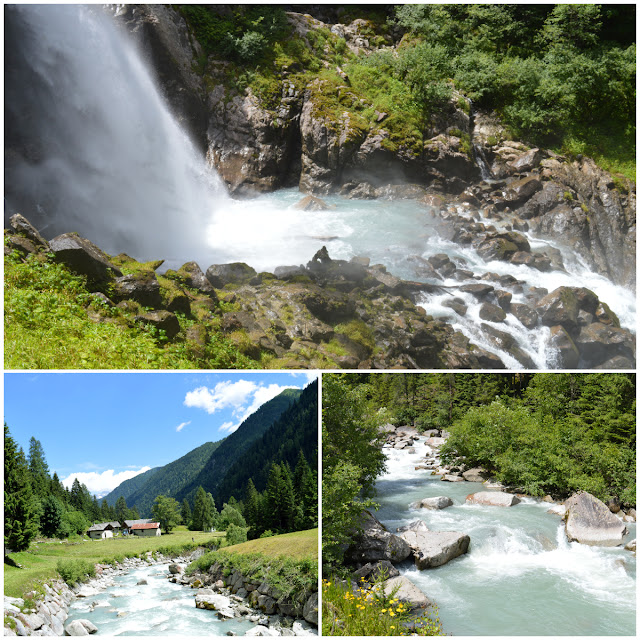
column 362, row 612
column 300, row 544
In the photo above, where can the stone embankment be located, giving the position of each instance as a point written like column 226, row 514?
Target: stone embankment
column 234, row 596
column 377, row 550
column 50, row 607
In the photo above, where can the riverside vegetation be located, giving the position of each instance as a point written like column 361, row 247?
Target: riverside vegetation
column 546, row 435
column 407, row 102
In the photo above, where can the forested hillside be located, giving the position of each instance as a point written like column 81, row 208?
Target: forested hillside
column 142, row 490
column 295, row 431
column 235, row 445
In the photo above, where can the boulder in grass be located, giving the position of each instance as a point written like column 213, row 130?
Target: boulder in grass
column 493, row 498
column 83, row 257
column 589, row 521
column 406, row 592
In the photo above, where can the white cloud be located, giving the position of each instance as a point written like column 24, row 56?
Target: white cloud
column 309, row 375
column 242, row 397
column 181, row 426
column 102, row 483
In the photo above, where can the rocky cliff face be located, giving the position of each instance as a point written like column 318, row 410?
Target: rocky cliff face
column 297, row 141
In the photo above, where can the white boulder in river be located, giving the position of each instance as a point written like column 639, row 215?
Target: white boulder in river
column 589, row 521
column 439, row 502
column 433, row 548
column 493, row 498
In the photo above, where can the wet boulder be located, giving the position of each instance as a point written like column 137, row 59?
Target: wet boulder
column 493, row 498
column 312, row 203
column 560, row 307
column 525, row 314
column 568, row 354
column 434, row 548
column 439, row 502
column 519, row 191
column 492, row 313
column 508, row 343
column 590, row 522
column 598, row 343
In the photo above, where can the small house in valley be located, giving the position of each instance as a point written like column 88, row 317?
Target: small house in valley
column 101, row 531
column 145, row 529
column 127, row 524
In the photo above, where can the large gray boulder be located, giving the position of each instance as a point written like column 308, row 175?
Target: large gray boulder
column 493, row 498
column 434, row 548
column 376, row 543
column 83, row 257
column 589, row 521
column 406, row 592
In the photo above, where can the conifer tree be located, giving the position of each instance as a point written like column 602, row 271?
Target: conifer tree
column 38, row 468
column 20, row 522
column 186, row 512
column 51, row 519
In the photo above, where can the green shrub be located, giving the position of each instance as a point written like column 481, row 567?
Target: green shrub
column 75, row 571
column 236, row 534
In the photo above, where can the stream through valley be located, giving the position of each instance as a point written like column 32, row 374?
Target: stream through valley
column 95, row 150
column 520, row 576
column 158, row 608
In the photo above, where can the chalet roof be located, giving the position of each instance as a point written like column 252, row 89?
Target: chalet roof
column 146, row 525
column 102, row 526
column 130, row 523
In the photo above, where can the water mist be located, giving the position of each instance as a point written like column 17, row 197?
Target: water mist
column 92, row 147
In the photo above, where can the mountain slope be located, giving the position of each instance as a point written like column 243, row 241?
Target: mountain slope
column 166, row 480
column 235, row 445
column 129, row 487
column 295, row 430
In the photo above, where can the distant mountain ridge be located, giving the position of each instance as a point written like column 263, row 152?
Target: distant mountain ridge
column 205, row 465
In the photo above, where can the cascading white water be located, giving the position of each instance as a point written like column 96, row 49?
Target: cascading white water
column 110, row 161
column 144, row 603
column 521, row 576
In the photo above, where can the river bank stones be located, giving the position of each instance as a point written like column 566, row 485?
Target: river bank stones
column 589, row 521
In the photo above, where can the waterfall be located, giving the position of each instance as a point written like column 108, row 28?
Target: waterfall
column 92, row 145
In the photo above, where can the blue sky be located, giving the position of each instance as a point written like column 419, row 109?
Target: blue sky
column 107, row 427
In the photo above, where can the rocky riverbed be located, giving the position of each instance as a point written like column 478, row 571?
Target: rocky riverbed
column 154, row 597
column 442, row 534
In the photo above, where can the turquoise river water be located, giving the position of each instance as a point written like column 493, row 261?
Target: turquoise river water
column 520, row 576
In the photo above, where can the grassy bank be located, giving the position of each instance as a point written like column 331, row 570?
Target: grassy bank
column 288, row 562
column 39, row 562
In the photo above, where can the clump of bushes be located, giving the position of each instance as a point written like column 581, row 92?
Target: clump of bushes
column 75, row 571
